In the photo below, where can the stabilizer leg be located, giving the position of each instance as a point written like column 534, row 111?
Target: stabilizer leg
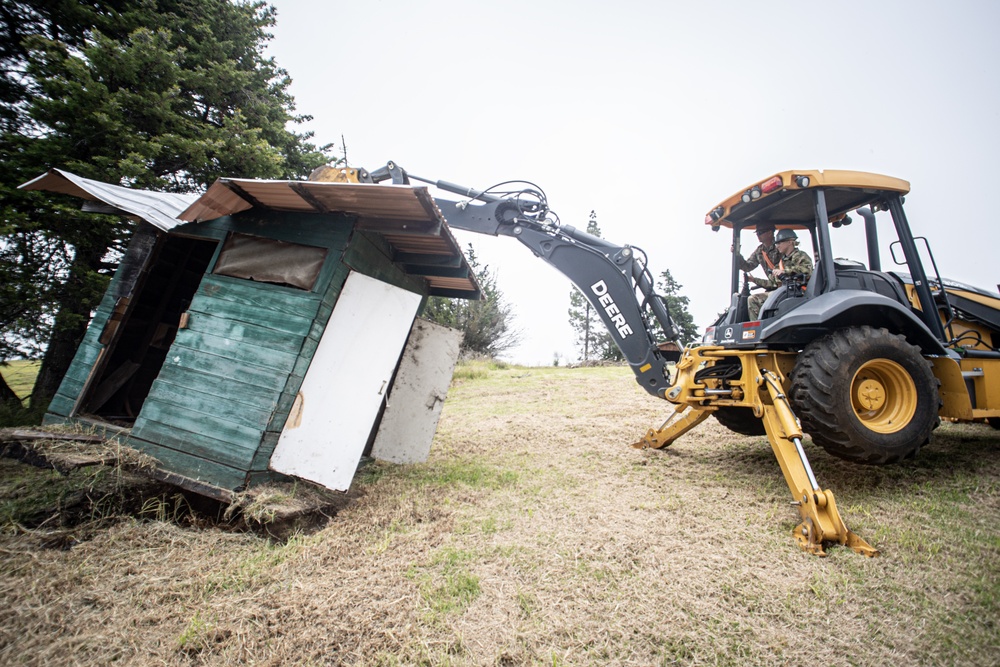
column 821, row 522
column 684, row 419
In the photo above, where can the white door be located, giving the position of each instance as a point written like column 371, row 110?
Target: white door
column 343, row 389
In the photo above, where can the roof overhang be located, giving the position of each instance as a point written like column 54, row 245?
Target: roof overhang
column 405, row 216
column 784, row 199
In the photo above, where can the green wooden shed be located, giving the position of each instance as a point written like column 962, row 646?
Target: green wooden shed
column 228, row 306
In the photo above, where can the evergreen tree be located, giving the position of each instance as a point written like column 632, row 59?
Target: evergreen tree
column 485, row 324
column 670, row 289
column 592, row 338
column 158, row 94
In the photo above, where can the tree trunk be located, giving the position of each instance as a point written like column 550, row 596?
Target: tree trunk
column 7, row 394
column 83, row 291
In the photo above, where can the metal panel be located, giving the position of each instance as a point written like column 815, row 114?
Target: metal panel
column 329, row 425
column 160, row 209
column 418, row 393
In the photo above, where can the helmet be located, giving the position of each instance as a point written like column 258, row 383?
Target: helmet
column 764, row 227
column 784, row 235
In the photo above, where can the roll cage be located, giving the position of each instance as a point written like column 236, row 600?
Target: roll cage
column 817, row 201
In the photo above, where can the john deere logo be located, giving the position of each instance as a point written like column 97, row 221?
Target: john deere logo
column 728, row 333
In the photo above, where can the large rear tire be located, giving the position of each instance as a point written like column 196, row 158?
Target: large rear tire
column 740, row 420
column 866, row 395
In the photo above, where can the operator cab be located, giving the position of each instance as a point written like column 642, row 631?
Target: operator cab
column 825, row 209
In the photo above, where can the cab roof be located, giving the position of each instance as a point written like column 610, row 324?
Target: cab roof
column 782, row 199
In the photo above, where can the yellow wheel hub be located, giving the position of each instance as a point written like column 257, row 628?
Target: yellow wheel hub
column 884, row 396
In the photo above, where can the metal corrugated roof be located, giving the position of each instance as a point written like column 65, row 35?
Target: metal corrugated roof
column 160, row 209
column 405, row 216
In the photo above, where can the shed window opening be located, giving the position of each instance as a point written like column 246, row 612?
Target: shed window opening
column 270, row 261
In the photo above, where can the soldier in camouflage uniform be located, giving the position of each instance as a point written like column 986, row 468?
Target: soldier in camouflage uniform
column 792, row 261
column 766, row 255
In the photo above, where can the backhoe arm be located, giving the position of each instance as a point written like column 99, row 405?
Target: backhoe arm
column 613, row 278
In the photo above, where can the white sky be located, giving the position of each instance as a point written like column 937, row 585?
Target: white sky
column 650, row 113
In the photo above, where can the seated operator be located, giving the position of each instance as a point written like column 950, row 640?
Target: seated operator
column 792, row 260
column 766, row 255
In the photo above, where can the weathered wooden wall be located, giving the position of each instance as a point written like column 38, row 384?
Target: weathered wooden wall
column 216, row 409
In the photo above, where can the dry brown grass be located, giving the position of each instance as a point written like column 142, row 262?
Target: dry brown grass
column 534, row 535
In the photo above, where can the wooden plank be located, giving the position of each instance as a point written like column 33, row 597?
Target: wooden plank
column 197, row 445
column 262, row 296
column 262, row 458
column 112, row 383
column 77, row 375
column 234, row 407
column 70, row 387
column 327, row 231
column 217, row 371
column 400, row 227
column 86, row 354
column 60, row 405
column 259, row 477
column 191, row 466
column 271, row 331
column 244, row 353
column 217, row 388
column 332, row 293
column 239, row 437
column 200, row 487
column 31, row 435
column 281, row 411
column 293, row 317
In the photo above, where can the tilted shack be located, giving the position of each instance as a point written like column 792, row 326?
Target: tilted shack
column 255, row 331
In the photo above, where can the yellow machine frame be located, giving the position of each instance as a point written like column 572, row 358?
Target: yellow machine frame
column 761, row 387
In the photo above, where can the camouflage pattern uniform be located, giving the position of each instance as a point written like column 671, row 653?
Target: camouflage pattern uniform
column 760, row 257
column 797, row 261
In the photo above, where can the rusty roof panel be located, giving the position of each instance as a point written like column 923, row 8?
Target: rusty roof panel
column 391, row 202
column 405, row 216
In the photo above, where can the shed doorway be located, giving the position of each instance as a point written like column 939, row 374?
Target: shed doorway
column 142, row 327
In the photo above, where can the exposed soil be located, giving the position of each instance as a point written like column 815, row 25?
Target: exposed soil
column 535, row 535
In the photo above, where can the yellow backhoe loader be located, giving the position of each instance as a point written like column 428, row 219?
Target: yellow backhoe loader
column 863, row 360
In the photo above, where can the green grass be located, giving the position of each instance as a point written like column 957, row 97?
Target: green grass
column 476, row 369
column 447, row 584
column 447, row 473
column 542, row 538
column 20, row 377
column 31, row 496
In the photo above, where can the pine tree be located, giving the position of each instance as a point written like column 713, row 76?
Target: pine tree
column 677, row 305
column 486, row 324
column 592, row 337
column 158, row 94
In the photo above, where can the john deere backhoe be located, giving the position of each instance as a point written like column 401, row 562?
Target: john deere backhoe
column 865, row 361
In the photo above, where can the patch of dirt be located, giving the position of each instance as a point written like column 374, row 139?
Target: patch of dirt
column 101, row 481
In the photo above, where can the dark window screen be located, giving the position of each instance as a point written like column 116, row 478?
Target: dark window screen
column 270, row 261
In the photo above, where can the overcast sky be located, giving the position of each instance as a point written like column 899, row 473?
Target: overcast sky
column 651, row 113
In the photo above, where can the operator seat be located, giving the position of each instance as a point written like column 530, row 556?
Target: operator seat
column 817, row 281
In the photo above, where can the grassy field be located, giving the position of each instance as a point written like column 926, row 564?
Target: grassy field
column 533, row 536
column 20, row 376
